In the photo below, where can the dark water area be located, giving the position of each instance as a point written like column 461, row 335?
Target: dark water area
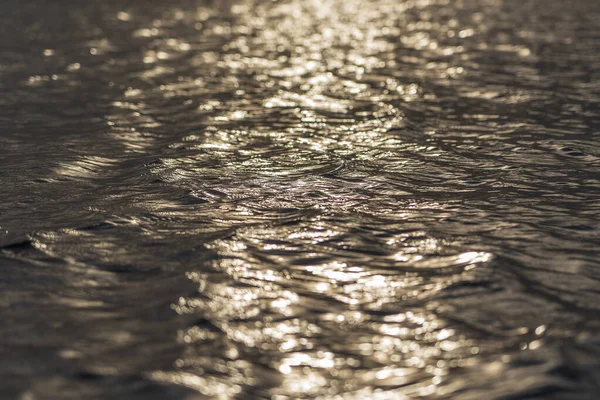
column 333, row 199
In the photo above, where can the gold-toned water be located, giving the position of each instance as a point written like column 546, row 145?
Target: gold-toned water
column 299, row 199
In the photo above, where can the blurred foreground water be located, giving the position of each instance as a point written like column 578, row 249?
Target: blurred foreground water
column 335, row 199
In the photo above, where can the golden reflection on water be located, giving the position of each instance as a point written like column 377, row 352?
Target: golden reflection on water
column 281, row 199
column 402, row 355
column 271, row 292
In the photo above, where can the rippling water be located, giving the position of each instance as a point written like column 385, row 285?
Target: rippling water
column 333, row 199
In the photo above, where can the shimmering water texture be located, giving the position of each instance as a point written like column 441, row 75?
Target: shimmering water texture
column 297, row 199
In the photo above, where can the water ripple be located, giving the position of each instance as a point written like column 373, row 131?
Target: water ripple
column 299, row 199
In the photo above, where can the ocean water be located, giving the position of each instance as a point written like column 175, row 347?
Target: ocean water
column 298, row 199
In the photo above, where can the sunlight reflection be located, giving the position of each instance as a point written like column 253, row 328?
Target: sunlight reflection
column 285, row 291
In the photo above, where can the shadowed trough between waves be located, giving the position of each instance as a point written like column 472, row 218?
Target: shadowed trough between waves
column 299, row 199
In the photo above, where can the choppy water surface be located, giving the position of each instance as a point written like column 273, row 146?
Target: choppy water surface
column 333, row 199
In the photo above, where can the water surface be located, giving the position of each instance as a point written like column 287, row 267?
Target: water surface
column 334, row 199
